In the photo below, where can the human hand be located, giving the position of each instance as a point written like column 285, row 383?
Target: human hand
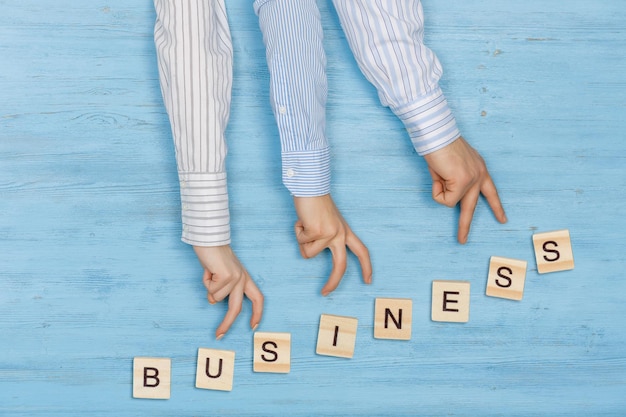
column 320, row 226
column 460, row 175
column 224, row 276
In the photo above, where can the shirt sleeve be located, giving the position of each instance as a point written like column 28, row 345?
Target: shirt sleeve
column 292, row 33
column 387, row 40
column 194, row 54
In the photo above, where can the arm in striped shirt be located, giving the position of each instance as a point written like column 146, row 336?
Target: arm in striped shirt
column 194, row 54
column 292, row 33
column 387, row 40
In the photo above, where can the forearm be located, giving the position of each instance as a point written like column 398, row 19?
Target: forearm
column 387, row 40
column 194, row 54
column 292, row 33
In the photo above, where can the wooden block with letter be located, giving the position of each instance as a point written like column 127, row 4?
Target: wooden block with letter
column 336, row 336
column 393, row 318
column 451, row 301
column 553, row 251
column 506, row 278
column 272, row 352
column 152, row 378
column 215, row 369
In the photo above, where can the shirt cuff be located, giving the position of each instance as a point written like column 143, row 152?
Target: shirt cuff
column 307, row 173
column 429, row 121
column 205, row 216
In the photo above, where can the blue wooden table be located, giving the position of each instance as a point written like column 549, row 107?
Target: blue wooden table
column 93, row 274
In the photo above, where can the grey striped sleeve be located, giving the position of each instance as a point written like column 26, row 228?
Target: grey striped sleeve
column 387, row 40
column 194, row 54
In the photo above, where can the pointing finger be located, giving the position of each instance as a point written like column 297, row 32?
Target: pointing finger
column 468, row 205
column 339, row 268
column 362, row 253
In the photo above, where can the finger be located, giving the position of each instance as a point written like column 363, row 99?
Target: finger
column 310, row 245
column 256, row 297
column 438, row 187
column 468, row 205
column 225, row 290
column 445, row 194
column 235, row 300
column 298, row 229
column 491, row 194
column 312, row 249
column 339, row 268
column 218, row 285
column 206, row 280
column 211, row 299
column 362, row 253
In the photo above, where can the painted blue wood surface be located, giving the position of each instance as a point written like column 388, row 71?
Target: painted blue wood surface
column 92, row 271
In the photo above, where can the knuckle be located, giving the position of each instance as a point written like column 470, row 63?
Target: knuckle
column 314, row 232
column 467, row 177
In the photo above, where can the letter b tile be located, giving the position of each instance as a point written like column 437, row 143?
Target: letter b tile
column 152, row 378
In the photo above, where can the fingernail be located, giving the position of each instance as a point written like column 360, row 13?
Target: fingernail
column 255, row 327
column 219, row 336
column 324, row 293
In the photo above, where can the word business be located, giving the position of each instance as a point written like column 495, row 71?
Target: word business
column 337, row 334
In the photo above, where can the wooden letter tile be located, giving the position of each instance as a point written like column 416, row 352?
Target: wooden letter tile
column 392, row 318
column 272, row 352
column 215, row 369
column 451, row 301
column 506, row 278
column 152, row 378
column 553, row 251
column 336, row 336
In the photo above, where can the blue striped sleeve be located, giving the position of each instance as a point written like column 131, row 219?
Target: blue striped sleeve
column 292, row 33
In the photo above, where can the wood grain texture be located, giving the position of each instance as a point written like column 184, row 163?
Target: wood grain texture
column 93, row 273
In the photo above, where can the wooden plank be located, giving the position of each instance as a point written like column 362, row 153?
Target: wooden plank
column 92, row 272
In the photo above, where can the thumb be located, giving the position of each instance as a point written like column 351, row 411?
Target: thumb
column 310, row 244
column 206, row 278
column 298, row 228
column 438, row 188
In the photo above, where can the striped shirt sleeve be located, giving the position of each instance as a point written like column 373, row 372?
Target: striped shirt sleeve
column 292, row 33
column 194, row 54
column 387, row 40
